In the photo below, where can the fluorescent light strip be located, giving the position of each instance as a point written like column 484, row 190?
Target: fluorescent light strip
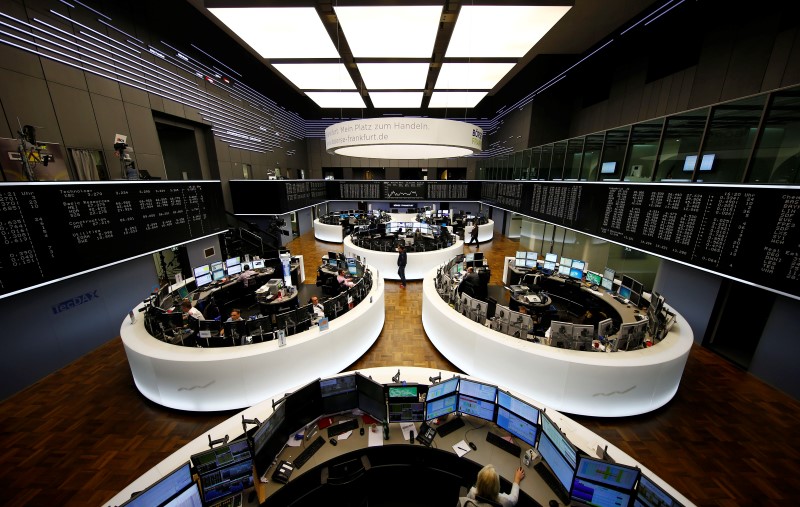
column 95, row 11
column 645, row 18
column 67, row 3
column 666, row 11
column 219, row 62
column 120, row 31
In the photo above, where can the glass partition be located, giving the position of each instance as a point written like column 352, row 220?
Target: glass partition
column 642, row 149
column 536, row 163
column 777, row 157
column 544, row 162
column 682, row 137
column 616, row 145
column 557, row 164
column 572, row 163
column 590, row 166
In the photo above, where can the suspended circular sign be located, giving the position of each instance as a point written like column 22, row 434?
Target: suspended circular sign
column 403, row 138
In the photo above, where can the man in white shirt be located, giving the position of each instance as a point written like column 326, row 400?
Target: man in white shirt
column 191, row 311
column 319, row 309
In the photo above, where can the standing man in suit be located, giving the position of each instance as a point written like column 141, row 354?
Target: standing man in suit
column 473, row 236
column 402, row 259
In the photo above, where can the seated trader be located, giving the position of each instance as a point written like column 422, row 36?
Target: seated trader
column 486, row 491
column 319, row 310
column 190, row 311
column 471, row 283
column 246, row 275
column 343, row 279
column 236, row 315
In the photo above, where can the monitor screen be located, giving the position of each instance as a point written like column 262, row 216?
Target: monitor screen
column 371, row 397
column 217, row 266
column 608, row 167
column 269, row 438
column 579, row 264
column 611, row 474
column 477, row 390
column 203, row 280
column 625, row 292
column 520, row 262
column 220, row 457
column 551, row 257
column 333, row 255
column 202, row 270
column 338, row 394
column 534, row 256
column 170, row 485
column 594, row 278
column 598, row 495
column 303, row 405
column 442, row 388
column 609, row 273
column 706, row 163
column 469, row 257
column 258, row 264
column 521, row 255
column 476, row 407
column 649, row 494
column 404, row 404
column 576, row 273
column 565, row 261
column 559, row 441
column 477, row 256
column 519, row 407
column 183, row 292
column 235, row 269
column 334, row 263
column 517, row 426
column 440, row 407
column 188, row 497
column 636, row 286
column 605, row 327
column 549, row 266
column 607, row 284
column 217, row 275
column 353, row 270
column 232, row 262
column 227, row 482
column 635, row 298
column 627, row 281
column 556, row 461
column 530, row 263
column 563, row 270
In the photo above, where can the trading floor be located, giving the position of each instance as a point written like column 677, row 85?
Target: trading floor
column 84, row 433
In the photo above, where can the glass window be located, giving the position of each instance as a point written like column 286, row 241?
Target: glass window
column 557, row 164
column 642, row 150
column 777, row 158
column 682, row 138
column 572, row 165
column 590, row 166
column 616, row 143
column 544, row 163
column 729, row 140
column 536, row 163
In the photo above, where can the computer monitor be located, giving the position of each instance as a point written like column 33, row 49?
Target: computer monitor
column 220, row 457
column 635, row 298
column 259, row 327
column 477, row 390
column 561, row 333
column 235, row 269
column 594, row 278
column 517, row 426
column 605, row 327
column 476, row 407
column 563, row 269
column 602, row 483
column 304, row 405
column 164, row 489
column 404, row 403
column 338, row 394
column 333, row 263
column 371, row 397
column 183, row 292
column 202, row 270
column 441, row 407
column 235, row 329
column 582, row 336
column 203, row 280
column 565, row 261
column 608, row 167
column 579, row 264
column 189, row 496
column 636, row 286
column 269, row 438
column 626, row 281
column 551, row 257
column 530, row 263
column 333, row 255
column 534, row 256
column 217, row 266
column 650, row 494
column 442, row 388
column 706, row 163
column 607, row 284
column 258, row 264
column 521, row 255
column 520, row 262
column 575, row 273
column 469, row 257
column 477, row 256
column 563, row 445
column 232, row 261
column 217, row 275
column 523, row 409
column 609, row 273
column 556, row 461
column 227, row 482
column 549, row 266
column 624, row 292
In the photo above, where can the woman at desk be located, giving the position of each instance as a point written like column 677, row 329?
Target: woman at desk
column 486, row 491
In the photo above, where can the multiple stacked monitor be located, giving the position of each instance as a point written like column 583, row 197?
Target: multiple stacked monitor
column 228, row 470
column 207, row 273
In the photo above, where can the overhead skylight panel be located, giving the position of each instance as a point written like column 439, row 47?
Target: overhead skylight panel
column 317, row 76
column 471, row 76
column 396, row 99
column 407, row 31
column 456, row 99
column 394, row 76
column 337, row 100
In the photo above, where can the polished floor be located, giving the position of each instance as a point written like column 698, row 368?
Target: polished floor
column 83, row 433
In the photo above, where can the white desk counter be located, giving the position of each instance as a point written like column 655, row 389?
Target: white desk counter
column 577, row 434
column 329, row 233
column 578, row 382
column 226, row 378
column 417, row 265
column 485, row 232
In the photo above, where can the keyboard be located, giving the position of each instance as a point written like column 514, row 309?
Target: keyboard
column 342, row 427
column 449, row 427
column 552, row 482
column 504, row 444
column 620, row 299
column 309, row 451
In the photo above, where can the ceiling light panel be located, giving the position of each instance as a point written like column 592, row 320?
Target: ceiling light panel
column 396, row 99
column 456, row 99
column 317, row 76
column 475, row 76
column 390, row 31
column 394, row 76
column 280, row 32
column 520, row 28
column 337, row 100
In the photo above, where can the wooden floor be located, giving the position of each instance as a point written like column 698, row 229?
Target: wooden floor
column 82, row 434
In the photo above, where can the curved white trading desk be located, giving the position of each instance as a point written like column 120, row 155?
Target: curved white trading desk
column 577, row 382
column 329, row 233
column 226, row 378
column 485, row 232
column 418, row 264
column 577, row 434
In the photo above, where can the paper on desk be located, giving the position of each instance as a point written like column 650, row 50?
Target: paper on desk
column 461, row 448
column 293, row 442
column 407, row 428
column 345, row 435
column 375, row 438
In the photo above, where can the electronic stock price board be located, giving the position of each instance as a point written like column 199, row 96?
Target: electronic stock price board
column 52, row 231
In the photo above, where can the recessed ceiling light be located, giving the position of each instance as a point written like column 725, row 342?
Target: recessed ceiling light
column 396, row 99
column 317, row 76
column 456, row 99
column 521, row 27
column 390, row 31
column 337, row 100
column 466, row 76
column 280, row 32
column 394, row 76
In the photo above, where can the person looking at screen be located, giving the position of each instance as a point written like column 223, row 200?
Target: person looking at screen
column 190, row 311
column 319, row 309
column 236, row 315
column 246, row 275
column 343, row 279
column 402, row 260
column 486, row 491
column 471, row 282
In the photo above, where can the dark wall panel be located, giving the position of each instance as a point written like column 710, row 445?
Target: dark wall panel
column 775, row 358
